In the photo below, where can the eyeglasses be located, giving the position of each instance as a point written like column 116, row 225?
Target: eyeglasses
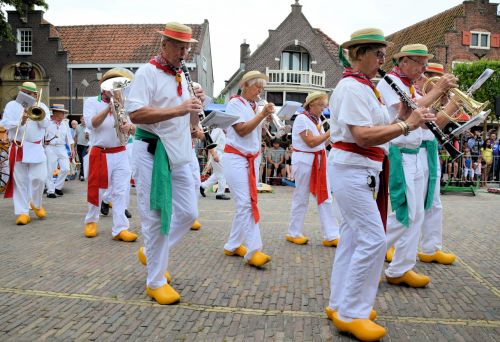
column 422, row 64
column 180, row 45
column 379, row 54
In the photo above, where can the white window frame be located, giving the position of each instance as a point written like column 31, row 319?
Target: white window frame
column 22, row 43
column 204, row 63
column 479, row 34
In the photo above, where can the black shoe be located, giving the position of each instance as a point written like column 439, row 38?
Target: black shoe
column 128, row 214
column 59, row 192
column 51, row 196
column 202, row 191
column 82, row 178
column 222, row 197
column 104, row 208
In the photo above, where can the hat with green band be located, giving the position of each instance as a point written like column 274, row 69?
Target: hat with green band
column 30, row 86
column 419, row 50
column 366, row 36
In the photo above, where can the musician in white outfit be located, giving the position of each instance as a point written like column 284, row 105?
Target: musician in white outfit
column 27, row 163
column 217, row 176
column 57, row 136
column 108, row 162
column 161, row 105
column 309, row 170
column 240, row 164
column 408, row 186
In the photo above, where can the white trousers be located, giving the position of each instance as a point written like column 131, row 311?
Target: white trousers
column 184, row 212
column 194, row 166
column 431, row 240
column 56, row 155
column 359, row 257
column 29, row 179
column 300, row 201
column 119, row 181
column 243, row 229
column 217, row 176
column 405, row 239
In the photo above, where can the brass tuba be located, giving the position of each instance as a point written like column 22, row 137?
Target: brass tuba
column 34, row 112
column 115, row 81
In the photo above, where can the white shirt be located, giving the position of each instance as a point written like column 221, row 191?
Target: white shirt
column 392, row 101
column 35, row 131
column 219, row 137
column 301, row 124
column 105, row 134
column 152, row 87
column 250, row 143
column 354, row 103
column 59, row 133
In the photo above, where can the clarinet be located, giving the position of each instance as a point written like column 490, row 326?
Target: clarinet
column 442, row 138
column 208, row 139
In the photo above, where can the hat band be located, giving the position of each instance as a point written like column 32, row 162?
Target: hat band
column 434, row 69
column 29, row 88
column 369, row 36
column 419, row 52
column 177, row 34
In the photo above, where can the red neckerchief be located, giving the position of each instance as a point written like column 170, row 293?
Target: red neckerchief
column 396, row 71
column 162, row 64
column 244, row 101
column 314, row 119
column 362, row 78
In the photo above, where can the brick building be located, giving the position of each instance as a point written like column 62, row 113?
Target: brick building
column 297, row 58
column 68, row 61
column 467, row 32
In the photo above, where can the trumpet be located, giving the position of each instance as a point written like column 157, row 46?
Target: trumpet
column 34, row 113
column 208, row 139
column 281, row 128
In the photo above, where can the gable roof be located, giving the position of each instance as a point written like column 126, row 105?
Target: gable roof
column 430, row 32
column 330, row 45
column 121, row 43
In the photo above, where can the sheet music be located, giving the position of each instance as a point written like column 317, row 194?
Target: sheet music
column 288, row 110
column 219, row 119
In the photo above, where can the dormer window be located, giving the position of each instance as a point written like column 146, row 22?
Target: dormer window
column 24, row 41
column 295, row 58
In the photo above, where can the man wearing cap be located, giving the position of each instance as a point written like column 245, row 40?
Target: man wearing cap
column 108, row 162
column 240, row 164
column 309, row 169
column 408, row 186
column 27, row 160
column 58, row 134
column 431, row 239
column 159, row 102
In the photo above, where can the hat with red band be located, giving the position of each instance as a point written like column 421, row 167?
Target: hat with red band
column 435, row 68
column 178, row 32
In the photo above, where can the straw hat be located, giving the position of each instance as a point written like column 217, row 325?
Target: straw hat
column 179, row 32
column 57, row 107
column 30, row 86
column 117, row 72
column 435, row 68
column 366, row 36
column 419, row 50
column 313, row 96
column 251, row 75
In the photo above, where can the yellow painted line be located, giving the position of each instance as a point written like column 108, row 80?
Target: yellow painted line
column 244, row 311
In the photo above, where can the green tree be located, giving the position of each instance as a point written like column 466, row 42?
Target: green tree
column 467, row 74
column 21, row 6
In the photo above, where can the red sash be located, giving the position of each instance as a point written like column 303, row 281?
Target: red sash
column 376, row 154
column 15, row 155
column 98, row 171
column 318, row 185
column 251, row 178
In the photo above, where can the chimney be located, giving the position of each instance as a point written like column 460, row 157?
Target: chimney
column 244, row 51
column 296, row 7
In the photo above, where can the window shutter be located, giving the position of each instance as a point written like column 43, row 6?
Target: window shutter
column 495, row 40
column 466, row 38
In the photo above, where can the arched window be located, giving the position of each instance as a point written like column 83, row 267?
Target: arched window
column 296, row 58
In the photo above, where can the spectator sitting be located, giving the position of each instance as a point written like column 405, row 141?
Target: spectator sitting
column 275, row 160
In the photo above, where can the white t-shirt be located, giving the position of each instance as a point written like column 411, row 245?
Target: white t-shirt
column 250, row 143
column 152, row 87
column 105, row 134
column 301, row 124
column 354, row 103
column 59, row 133
column 392, row 101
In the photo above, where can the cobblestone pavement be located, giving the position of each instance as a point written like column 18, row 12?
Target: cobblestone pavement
column 57, row 285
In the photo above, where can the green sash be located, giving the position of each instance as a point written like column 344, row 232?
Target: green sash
column 432, row 152
column 161, row 181
column 397, row 183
